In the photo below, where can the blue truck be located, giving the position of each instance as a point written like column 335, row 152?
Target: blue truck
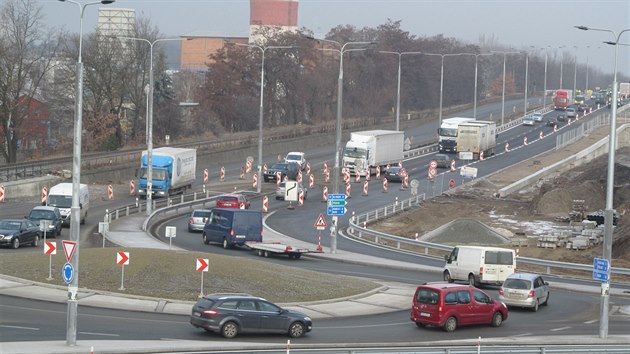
column 173, row 171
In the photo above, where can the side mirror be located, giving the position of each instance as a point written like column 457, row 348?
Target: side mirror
column 546, row 283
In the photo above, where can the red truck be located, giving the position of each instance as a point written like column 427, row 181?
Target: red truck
column 561, row 99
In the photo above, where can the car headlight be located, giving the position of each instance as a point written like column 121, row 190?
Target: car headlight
column 307, row 319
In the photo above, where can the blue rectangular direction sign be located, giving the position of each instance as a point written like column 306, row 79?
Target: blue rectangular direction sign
column 603, row 276
column 336, row 210
column 340, row 196
column 600, row 264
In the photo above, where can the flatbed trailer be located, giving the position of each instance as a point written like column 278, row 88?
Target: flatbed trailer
column 267, row 249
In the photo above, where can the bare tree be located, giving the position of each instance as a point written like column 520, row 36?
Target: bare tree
column 26, row 49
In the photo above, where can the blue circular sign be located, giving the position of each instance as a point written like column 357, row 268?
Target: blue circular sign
column 67, row 273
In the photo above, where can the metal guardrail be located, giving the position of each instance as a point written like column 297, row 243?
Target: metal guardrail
column 467, row 349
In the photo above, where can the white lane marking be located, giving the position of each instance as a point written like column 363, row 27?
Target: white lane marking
column 20, row 327
column 591, row 321
column 100, row 334
column 559, row 329
column 522, row 335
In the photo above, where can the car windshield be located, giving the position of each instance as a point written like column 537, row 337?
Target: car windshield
column 294, row 157
column 279, row 166
column 520, row 284
column 355, row 152
column 158, row 175
column 60, row 201
column 42, row 214
column 452, row 132
column 10, row 225
column 394, row 170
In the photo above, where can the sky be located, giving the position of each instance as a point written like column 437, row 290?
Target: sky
column 520, row 24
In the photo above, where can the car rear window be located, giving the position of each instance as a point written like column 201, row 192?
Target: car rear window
column 228, row 199
column 499, row 258
column 427, row 296
column 205, row 303
column 248, row 219
column 521, row 284
column 201, row 214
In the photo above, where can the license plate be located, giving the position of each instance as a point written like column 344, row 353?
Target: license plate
column 424, row 314
column 240, row 236
column 197, row 313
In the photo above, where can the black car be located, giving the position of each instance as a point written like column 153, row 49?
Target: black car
column 443, row 160
column 582, row 107
column 551, row 121
column 394, row 174
column 231, row 314
column 49, row 213
column 15, row 232
column 289, row 169
column 561, row 117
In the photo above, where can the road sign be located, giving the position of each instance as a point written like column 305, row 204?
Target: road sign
column 170, row 231
column 337, row 202
column 122, row 258
column 433, row 164
column 337, row 210
column 68, row 248
column 601, row 268
column 451, row 183
column 50, row 247
column 67, row 273
column 465, row 155
column 470, row 172
column 202, row 264
column 320, row 223
column 336, row 197
column 432, row 172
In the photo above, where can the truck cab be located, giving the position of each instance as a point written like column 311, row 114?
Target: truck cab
column 447, row 133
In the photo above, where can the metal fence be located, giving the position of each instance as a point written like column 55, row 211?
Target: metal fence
column 580, row 130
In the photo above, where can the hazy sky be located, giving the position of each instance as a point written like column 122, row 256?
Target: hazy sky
column 516, row 23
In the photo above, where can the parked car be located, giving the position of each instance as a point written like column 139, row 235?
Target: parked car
column 289, row 169
column 281, row 190
column 443, row 160
column 551, row 121
column 297, row 157
column 233, row 227
column 528, row 120
column 394, row 174
column 538, row 117
column 571, row 112
column 51, row 214
column 197, row 219
column 525, row 290
column 16, row 232
column 232, row 200
column 240, row 313
column 450, row 306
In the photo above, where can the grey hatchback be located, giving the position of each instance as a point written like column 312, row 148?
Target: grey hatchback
column 197, row 219
column 525, row 290
column 231, row 314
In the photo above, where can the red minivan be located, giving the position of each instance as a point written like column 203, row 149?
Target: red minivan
column 451, row 305
column 232, row 201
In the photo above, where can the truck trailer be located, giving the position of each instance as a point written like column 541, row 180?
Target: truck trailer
column 562, row 99
column 173, row 171
column 371, row 148
column 447, row 133
column 476, row 137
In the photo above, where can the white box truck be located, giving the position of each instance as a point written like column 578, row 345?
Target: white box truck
column 371, row 148
column 173, row 171
column 447, row 133
column 479, row 265
column 60, row 196
column 476, row 137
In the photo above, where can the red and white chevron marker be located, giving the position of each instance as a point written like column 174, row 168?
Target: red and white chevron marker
column 555, row 128
column 367, row 174
column 265, row 168
column 205, row 176
column 132, row 187
column 255, row 180
column 365, row 188
column 452, row 165
column 480, row 155
column 378, row 172
column 278, row 178
column 300, row 198
column 1, row 194
column 202, row 264
column 541, row 135
column 525, row 141
column 299, row 177
column 45, row 195
column 384, row 185
column 222, row 174
column 327, row 174
column 242, row 173
column 348, row 189
column 325, row 194
column 311, row 181
column 507, row 147
column 308, row 168
column 50, row 247
column 110, row 192
column 265, row 206
column 357, row 177
column 122, row 258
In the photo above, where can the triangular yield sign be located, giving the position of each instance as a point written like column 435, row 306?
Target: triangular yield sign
column 321, row 222
column 68, row 248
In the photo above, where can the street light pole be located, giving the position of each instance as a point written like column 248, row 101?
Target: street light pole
column 575, row 72
column 586, row 83
column 545, row 83
column 342, row 49
column 503, row 90
column 400, row 54
column 526, row 77
column 150, row 114
column 610, row 180
column 75, row 210
column 260, row 113
column 475, row 96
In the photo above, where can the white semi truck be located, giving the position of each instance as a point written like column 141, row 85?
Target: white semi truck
column 173, row 171
column 371, row 148
column 447, row 133
column 476, row 137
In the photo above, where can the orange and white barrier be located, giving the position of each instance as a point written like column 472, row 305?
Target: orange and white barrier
column 525, row 141
column 205, row 176
column 367, row 174
column 1, row 194
column 242, row 174
column 248, row 166
column 541, row 135
column 507, row 147
column 265, row 206
column 348, row 189
column 365, row 188
column 325, row 194
column 45, row 195
column 384, row 185
column 132, row 187
column 278, row 178
column 299, row 177
column 311, row 181
column 378, row 172
column 480, row 155
column 357, row 177
column 110, row 192
column 255, row 180
column 222, row 174
column 301, row 198
column 308, row 168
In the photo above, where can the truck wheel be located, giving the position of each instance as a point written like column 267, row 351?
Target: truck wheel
column 261, row 253
column 447, row 277
column 297, row 255
column 472, row 281
column 205, row 238
column 267, row 254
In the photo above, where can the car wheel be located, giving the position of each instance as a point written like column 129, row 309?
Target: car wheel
column 296, row 330
column 471, row 280
column 35, row 242
column 15, row 243
column 420, row 325
column 297, row 255
column 451, row 324
column 229, row 329
column 497, row 319
column 535, row 307
column 205, row 238
column 226, row 245
column 547, row 300
column 447, row 277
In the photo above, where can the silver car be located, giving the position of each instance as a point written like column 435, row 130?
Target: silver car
column 538, row 117
column 197, row 219
column 524, row 290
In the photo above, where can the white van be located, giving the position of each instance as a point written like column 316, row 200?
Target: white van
column 60, row 196
column 479, row 265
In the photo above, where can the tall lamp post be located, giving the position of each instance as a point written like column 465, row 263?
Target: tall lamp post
column 442, row 80
column 342, row 50
column 400, row 54
column 475, row 99
column 575, row 71
column 75, row 209
column 610, row 180
column 503, row 90
column 260, row 118
column 526, row 77
column 561, row 64
column 150, row 114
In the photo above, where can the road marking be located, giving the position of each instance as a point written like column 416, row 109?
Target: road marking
column 101, row 334
column 522, row 335
column 20, row 327
column 591, row 321
column 559, row 329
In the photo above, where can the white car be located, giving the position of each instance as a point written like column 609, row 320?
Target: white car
column 538, row 117
column 298, row 157
column 529, row 120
